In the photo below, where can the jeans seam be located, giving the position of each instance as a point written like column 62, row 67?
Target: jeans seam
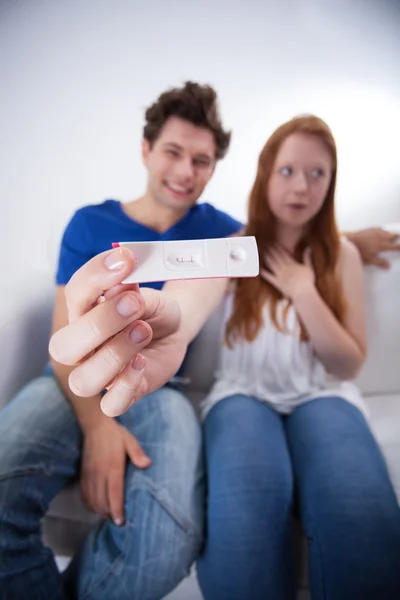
column 48, row 471
column 129, row 531
column 99, row 582
column 24, row 472
column 185, row 523
column 318, row 552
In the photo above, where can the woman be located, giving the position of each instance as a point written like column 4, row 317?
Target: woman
column 284, row 429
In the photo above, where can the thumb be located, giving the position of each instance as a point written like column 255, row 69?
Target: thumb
column 135, row 452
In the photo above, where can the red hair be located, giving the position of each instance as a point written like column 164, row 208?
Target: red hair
column 322, row 237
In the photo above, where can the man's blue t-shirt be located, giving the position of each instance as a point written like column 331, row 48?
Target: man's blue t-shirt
column 94, row 228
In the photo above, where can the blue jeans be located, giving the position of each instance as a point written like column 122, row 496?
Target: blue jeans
column 40, row 448
column 325, row 456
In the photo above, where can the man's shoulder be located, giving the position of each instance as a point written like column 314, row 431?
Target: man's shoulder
column 209, row 210
column 103, row 208
column 94, row 217
column 219, row 219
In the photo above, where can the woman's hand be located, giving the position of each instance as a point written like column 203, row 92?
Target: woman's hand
column 286, row 274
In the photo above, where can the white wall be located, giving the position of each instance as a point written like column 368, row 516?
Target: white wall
column 76, row 76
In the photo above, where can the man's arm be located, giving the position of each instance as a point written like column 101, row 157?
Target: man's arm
column 95, row 343
column 106, row 444
column 88, row 413
column 197, row 299
column 371, row 242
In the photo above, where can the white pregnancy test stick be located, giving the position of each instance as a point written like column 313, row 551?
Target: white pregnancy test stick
column 193, row 259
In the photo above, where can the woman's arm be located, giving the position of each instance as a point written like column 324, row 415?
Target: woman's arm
column 341, row 347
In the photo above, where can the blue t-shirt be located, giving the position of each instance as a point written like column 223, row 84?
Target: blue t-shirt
column 94, row 228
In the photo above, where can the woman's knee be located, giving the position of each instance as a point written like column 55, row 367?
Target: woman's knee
column 247, row 456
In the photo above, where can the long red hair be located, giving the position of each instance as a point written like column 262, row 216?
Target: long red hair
column 322, row 237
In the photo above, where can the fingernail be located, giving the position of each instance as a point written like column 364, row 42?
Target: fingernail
column 138, row 363
column 144, row 461
column 138, row 334
column 127, row 306
column 118, row 521
column 115, row 260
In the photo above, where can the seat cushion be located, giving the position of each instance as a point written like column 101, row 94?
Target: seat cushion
column 384, row 421
column 380, row 373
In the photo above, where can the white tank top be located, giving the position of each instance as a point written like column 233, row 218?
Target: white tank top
column 276, row 368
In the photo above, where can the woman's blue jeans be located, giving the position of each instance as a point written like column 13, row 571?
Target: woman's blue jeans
column 321, row 460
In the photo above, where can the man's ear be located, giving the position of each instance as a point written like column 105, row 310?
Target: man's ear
column 145, row 151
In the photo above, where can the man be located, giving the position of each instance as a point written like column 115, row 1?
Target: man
column 143, row 471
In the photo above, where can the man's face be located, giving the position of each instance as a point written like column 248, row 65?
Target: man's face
column 180, row 163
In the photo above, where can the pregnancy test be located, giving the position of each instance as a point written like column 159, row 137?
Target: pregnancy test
column 193, row 259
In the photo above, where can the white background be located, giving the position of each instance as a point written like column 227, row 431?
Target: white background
column 76, row 77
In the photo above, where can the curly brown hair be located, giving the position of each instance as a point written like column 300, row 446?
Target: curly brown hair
column 193, row 102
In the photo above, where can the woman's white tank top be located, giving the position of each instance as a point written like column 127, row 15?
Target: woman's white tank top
column 276, row 368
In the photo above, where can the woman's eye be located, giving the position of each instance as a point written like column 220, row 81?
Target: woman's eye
column 317, row 173
column 286, row 171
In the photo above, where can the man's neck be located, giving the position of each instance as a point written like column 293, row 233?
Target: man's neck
column 148, row 212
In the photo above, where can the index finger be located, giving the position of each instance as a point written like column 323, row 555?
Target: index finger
column 115, row 491
column 96, row 277
column 394, row 241
column 393, row 236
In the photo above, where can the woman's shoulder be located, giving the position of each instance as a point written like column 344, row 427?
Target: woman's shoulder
column 349, row 259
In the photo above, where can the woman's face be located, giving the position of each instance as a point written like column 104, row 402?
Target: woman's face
column 299, row 180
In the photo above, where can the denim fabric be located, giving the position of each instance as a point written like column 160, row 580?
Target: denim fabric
column 324, row 460
column 40, row 448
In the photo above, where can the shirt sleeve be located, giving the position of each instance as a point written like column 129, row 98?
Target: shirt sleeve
column 76, row 248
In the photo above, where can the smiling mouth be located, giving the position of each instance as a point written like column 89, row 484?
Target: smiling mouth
column 178, row 189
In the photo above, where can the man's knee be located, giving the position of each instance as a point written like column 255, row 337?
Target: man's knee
column 167, row 428
column 170, row 433
column 150, row 554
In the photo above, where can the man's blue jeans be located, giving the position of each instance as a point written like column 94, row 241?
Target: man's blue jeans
column 323, row 455
column 40, row 449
